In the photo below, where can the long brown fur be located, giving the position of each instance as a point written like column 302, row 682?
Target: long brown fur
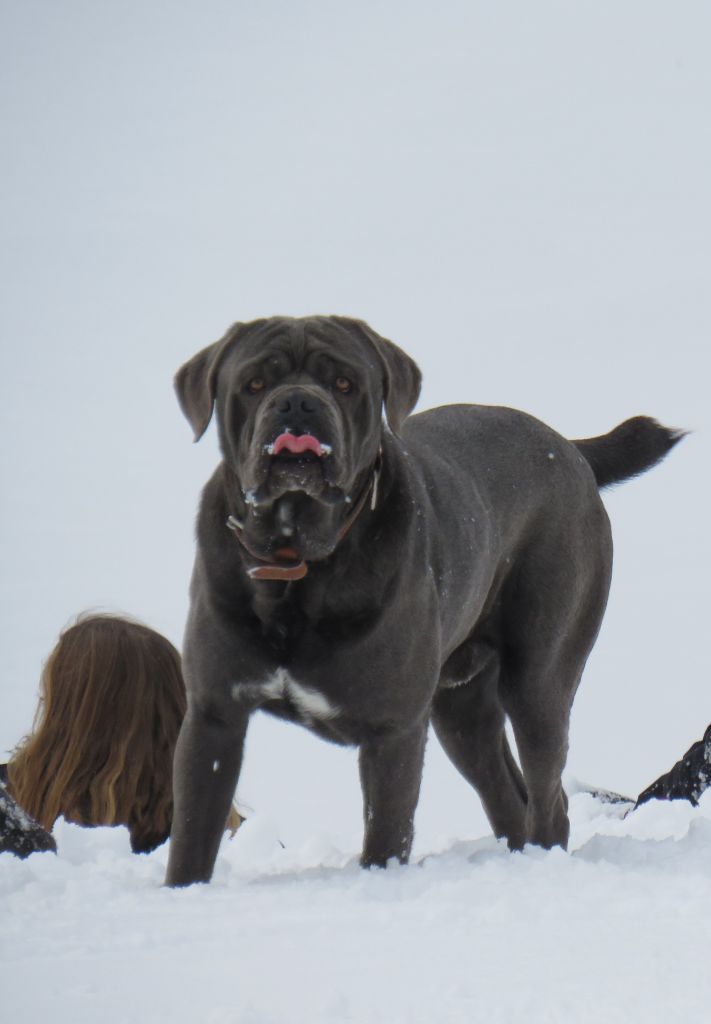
column 112, row 699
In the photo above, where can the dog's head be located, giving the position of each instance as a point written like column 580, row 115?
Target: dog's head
column 299, row 409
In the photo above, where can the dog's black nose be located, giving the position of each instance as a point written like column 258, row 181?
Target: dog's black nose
column 295, row 401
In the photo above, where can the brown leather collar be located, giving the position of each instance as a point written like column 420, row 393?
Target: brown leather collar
column 286, row 570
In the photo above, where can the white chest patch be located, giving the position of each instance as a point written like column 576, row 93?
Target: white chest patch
column 309, row 702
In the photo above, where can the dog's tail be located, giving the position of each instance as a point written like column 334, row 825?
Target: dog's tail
column 628, row 450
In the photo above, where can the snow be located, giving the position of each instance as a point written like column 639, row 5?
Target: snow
column 615, row 930
column 517, row 194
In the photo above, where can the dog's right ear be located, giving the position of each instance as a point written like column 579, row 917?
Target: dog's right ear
column 196, row 381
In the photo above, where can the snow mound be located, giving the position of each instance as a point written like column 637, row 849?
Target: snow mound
column 617, row 930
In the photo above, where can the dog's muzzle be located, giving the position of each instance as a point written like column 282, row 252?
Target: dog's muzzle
column 295, row 446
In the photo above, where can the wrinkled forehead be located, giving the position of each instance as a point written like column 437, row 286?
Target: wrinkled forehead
column 299, row 338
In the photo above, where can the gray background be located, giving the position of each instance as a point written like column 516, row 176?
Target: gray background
column 516, row 193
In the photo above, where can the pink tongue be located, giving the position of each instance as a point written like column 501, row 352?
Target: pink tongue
column 297, row 445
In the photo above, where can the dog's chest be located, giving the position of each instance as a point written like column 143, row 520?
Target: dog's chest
column 309, row 704
column 305, row 624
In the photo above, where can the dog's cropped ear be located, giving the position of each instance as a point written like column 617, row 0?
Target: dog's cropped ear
column 401, row 377
column 196, row 381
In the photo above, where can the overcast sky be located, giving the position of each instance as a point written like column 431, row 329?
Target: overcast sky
column 516, row 193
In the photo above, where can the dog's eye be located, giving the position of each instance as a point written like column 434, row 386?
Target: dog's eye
column 255, row 385
column 343, row 385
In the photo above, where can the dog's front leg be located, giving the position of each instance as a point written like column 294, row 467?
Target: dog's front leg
column 208, row 757
column 390, row 774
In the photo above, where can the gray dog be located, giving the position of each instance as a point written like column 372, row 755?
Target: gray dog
column 364, row 578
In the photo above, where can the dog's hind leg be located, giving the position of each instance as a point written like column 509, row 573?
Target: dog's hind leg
column 390, row 774
column 542, row 740
column 553, row 614
column 469, row 722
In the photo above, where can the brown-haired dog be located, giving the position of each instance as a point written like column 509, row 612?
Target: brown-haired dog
column 112, row 700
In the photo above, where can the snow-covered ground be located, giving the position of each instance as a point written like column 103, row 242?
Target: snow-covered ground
column 618, row 930
column 517, row 193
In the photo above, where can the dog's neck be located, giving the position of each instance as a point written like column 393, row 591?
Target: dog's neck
column 341, row 592
column 286, row 566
